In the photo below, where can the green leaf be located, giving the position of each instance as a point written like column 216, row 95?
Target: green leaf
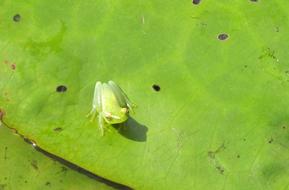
column 23, row 168
column 218, row 121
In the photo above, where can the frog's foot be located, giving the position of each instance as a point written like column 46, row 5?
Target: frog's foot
column 109, row 116
column 92, row 115
column 131, row 107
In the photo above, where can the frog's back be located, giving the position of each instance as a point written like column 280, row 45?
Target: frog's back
column 109, row 100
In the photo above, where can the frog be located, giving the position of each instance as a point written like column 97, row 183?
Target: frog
column 110, row 104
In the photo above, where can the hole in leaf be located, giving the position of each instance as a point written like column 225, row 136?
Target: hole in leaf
column 156, row 87
column 17, row 17
column 61, row 88
column 223, row 36
column 196, row 2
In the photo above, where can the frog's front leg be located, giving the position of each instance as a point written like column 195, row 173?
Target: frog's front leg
column 101, row 124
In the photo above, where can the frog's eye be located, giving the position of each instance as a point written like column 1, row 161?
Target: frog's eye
column 124, row 110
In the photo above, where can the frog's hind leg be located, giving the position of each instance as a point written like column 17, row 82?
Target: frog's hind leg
column 96, row 103
column 121, row 96
column 97, row 98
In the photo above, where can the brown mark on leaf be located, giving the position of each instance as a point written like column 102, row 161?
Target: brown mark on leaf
column 63, row 170
column 220, row 169
column 212, row 154
column 217, row 164
column 13, row 66
column 34, row 164
column 268, row 53
column 2, row 113
column 57, row 129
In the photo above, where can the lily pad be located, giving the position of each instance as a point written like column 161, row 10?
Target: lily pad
column 22, row 167
column 210, row 79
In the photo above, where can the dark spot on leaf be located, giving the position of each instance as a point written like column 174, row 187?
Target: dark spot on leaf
column 25, row 181
column 284, row 127
column 254, row 1
column 156, row 87
column 13, row 66
column 17, row 18
column 63, row 169
column 196, row 2
column 34, row 164
column 57, row 129
column 5, row 153
column 47, row 183
column 223, row 36
column 220, row 169
column 5, row 178
column 268, row 53
column 245, row 66
column 244, row 139
column 238, row 156
column 211, row 154
column 277, row 29
column 61, row 88
column 271, row 140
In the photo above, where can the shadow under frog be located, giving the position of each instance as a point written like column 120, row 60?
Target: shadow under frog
column 133, row 130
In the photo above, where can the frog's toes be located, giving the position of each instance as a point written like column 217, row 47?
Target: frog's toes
column 91, row 115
